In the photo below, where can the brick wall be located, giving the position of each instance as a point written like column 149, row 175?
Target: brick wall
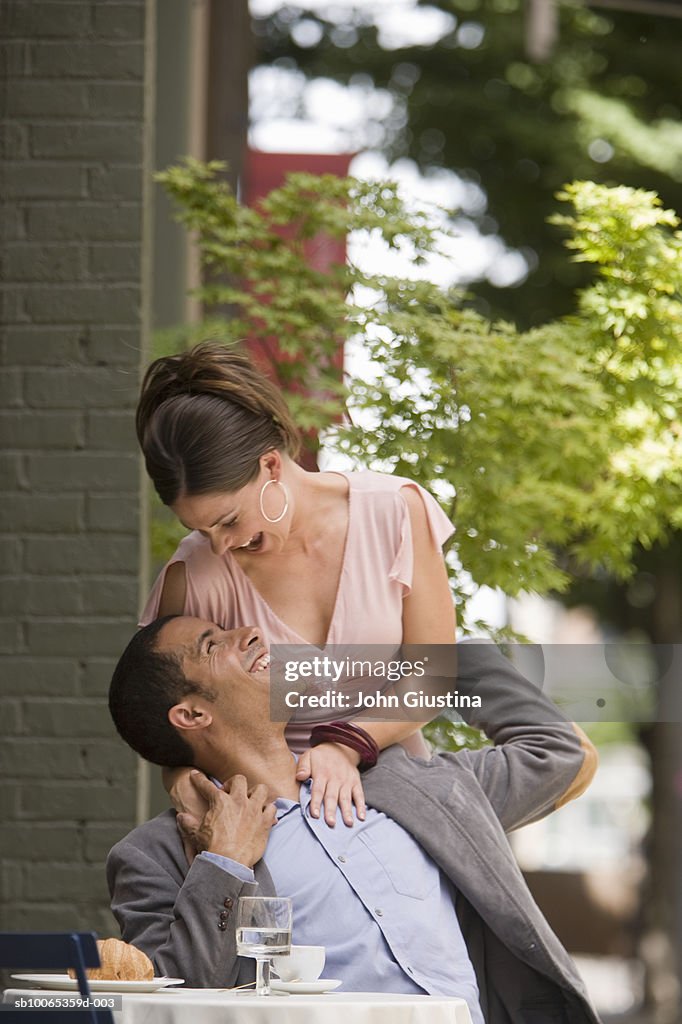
column 72, row 321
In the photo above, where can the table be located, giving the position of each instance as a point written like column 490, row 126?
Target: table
column 209, row 1006
column 206, row 1007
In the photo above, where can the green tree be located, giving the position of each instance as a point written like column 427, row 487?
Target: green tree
column 557, row 450
column 603, row 107
column 554, row 449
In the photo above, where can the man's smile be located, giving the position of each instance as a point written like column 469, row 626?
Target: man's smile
column 259, row 660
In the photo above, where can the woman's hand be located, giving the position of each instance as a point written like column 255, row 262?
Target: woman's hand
column 336, row 781
column 188, row 802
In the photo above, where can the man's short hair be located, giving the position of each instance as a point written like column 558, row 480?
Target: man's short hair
column 145, row 685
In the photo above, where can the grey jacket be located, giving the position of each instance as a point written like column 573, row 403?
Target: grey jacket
column 458, row 806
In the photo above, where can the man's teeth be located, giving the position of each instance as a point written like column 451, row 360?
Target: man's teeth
column 261, row 664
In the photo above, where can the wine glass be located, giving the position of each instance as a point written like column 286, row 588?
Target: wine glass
column 263, row 930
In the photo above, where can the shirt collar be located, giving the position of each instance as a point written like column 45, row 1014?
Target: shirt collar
column 285, row 806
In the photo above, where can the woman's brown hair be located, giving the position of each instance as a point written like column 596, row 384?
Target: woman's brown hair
column 204, row 419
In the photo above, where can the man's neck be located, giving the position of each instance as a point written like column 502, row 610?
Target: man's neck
column 274, row 768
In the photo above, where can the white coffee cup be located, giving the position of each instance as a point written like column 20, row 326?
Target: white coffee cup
column 303, row 963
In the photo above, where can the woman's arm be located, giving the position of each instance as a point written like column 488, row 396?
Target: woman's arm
column 428, row 610
column 428, row 618
column 174, row 590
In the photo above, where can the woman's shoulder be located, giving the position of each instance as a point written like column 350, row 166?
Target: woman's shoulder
column 195, row 552
column 367, row 481
column 206, row 584
column 389, row 490
column 191, row 548
column 202, row 565
column 386, row 498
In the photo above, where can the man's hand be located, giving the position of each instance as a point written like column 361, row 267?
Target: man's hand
column 336, row 781
column 237, row 822
column 187, row 802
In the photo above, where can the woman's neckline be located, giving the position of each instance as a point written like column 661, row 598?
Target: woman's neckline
column 342, row 575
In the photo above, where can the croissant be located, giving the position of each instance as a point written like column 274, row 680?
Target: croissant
column 120, row 962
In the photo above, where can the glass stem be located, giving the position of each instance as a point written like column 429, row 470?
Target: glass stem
column 262, row 977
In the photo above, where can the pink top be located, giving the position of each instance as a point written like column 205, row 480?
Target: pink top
column 376, row 575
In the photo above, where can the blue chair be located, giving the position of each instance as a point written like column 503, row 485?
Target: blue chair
column 53, row 951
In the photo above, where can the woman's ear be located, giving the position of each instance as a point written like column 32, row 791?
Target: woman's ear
column 271, row 462
column 187, row 716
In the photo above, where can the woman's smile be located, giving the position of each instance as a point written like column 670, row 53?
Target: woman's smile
column 254, row 544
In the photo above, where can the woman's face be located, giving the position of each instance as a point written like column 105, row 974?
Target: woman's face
column 234, row 521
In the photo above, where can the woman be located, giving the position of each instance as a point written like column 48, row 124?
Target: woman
column 315, row 558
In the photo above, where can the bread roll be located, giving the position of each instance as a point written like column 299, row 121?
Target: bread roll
column 120, row 962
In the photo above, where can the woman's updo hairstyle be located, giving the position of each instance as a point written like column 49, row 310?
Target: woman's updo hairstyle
column 204, row 419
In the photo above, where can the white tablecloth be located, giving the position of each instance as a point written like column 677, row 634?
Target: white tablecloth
column 206, row 1007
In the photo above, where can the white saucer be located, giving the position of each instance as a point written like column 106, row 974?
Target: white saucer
column 305, row 988
column 63, row 983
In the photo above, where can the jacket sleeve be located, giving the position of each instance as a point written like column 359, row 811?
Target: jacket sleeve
column 539, row 760
column 175, row 921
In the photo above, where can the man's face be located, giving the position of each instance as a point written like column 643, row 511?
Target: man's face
column 218, row 659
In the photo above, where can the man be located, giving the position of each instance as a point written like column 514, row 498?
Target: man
column 423, row 896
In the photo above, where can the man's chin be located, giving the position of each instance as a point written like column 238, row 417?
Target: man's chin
column 263, row 676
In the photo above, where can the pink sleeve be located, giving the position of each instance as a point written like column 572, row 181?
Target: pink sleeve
column 205, row 582
column 440, row 528
column 151, row 608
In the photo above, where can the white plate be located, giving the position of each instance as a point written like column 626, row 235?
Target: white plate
column 305, row 988
column 63, row 983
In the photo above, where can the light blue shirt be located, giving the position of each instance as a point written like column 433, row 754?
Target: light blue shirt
column 394, row 923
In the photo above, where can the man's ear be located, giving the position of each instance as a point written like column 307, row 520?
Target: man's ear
column 189, row 715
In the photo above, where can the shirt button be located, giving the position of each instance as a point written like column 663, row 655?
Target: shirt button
column 409, row 970
column 342, row 858
column 228, row 903
column 379, row 912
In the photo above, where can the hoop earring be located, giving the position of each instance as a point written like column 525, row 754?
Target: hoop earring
column 286, row 501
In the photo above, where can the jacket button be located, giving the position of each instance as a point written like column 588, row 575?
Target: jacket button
column 228, row 903
column 224, row 915
column 222, row 926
